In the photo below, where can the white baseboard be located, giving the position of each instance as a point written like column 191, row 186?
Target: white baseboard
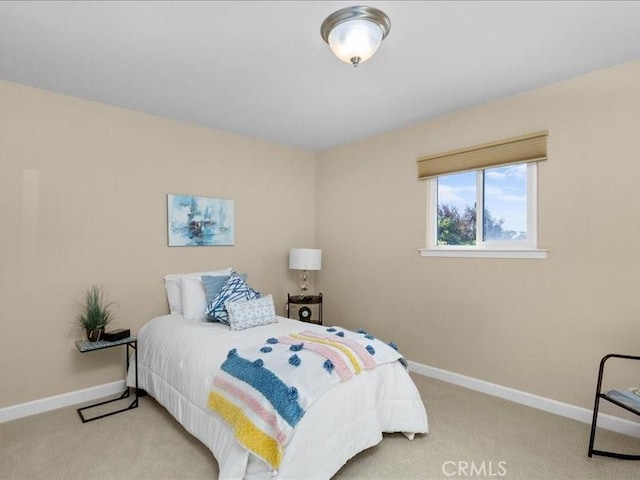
column 59, row 401
column 606, row 421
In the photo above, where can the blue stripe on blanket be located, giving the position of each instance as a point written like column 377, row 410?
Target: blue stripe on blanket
column 283, row 398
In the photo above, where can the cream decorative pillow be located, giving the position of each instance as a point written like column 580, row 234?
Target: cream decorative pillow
column 251, row 313
column 194, row 299
column 173, row 286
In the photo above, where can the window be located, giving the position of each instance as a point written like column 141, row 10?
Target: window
column 488, row 211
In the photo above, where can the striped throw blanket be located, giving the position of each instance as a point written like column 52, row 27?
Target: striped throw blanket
column 264, row 391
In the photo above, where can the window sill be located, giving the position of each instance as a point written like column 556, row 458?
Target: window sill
column 536, row 254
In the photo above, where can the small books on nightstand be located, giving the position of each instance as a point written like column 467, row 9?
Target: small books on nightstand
column 115, row 335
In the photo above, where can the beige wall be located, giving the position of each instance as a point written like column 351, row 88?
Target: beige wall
column 83, row 200
column 539, row 326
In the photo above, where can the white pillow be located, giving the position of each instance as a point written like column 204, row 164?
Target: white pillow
column 251, row 313
column 173, row 286
column 194, row 299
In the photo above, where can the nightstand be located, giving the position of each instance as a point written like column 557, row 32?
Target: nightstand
column 85, row 346
column 304, row 312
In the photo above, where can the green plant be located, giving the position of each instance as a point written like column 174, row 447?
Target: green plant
column 95, row 312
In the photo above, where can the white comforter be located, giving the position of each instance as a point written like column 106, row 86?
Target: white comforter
column 177, row 359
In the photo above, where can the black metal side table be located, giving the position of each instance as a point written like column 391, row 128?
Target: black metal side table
column 304, row 313
column 131, row 343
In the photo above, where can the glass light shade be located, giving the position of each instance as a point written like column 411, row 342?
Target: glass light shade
column 355, row 39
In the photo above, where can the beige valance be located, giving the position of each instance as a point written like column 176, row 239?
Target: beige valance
column 524, row 148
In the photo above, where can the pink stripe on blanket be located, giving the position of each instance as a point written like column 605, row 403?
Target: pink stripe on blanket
column 268, row 417
column 344, row 372
column 365, row 356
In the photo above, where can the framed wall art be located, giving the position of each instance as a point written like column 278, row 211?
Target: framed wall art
column 199, row 221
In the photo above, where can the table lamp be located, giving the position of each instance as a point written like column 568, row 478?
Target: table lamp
column 305, row 259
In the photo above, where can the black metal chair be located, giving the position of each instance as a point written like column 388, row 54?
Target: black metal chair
column 596, row 406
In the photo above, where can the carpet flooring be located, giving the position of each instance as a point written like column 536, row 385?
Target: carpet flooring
column 472, row 435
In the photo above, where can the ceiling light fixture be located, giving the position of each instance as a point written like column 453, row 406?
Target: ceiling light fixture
column 355, row 33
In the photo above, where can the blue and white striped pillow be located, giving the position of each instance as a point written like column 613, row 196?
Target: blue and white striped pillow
column 234, row 289
column 213, row 284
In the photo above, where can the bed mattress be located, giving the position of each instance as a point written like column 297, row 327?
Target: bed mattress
column 178, row 358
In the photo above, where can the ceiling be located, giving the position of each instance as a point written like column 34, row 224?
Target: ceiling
column 261, row 68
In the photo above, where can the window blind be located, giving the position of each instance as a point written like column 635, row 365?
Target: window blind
column 524, row 148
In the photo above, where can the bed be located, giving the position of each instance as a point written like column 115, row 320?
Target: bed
column 178, row 359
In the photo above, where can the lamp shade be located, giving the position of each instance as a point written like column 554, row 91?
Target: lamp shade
column 305, row 259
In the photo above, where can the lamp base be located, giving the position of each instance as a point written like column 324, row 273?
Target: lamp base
column 304, row 283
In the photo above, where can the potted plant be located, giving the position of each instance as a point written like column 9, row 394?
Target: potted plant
column 95, row 313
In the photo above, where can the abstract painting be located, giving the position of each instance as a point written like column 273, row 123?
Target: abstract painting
column 197, row 221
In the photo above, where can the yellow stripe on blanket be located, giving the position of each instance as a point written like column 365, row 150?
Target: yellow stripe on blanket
column 246, row 432
column 339, row 346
